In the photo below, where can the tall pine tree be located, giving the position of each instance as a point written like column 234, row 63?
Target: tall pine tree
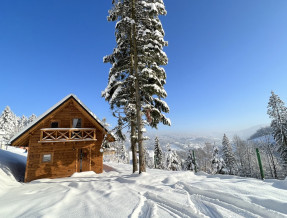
column 136, row 80
column 278, row 113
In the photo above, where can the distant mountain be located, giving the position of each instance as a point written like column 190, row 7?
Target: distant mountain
column 180, row 142
column 246, row 133
column 264, row 131
column 186, row 141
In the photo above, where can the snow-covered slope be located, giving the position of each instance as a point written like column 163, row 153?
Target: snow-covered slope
column 12, row 167
column 119, row 193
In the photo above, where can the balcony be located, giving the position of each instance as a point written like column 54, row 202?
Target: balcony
column 67, row 134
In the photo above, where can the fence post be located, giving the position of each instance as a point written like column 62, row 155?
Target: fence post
column 260, row 164
column 195, row 167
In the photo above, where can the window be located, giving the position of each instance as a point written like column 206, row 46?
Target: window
column 54, row 124
column 46, row 158
column 77, row 123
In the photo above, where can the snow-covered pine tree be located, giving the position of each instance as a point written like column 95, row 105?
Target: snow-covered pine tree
column 215, row 161
column 278, row 113
column 218, row 164
column 172, row 161
column 158, row 155
column 228, row 155
column 8, row 124
column 120, row 89
column 136, row 79
column 122, row 153
column 22, row 122
column 189, row 163
column 31, row 119
column 149, row 158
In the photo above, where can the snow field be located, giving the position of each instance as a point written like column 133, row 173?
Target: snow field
column 119, row 193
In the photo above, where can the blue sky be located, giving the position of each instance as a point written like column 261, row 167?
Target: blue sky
column 224, row 58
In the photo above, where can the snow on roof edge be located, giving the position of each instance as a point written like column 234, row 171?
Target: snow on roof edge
column 17, row 135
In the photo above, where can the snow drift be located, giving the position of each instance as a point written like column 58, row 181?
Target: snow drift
column 12, row 168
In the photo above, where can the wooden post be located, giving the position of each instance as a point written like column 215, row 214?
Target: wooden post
column 90, row 157
column 260, row 164
column 77, row 158
column 41, row 137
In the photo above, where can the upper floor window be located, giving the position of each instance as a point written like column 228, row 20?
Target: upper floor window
column 54, row 124
column 77, row 123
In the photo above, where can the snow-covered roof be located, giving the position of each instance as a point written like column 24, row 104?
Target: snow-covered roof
column 52, row 109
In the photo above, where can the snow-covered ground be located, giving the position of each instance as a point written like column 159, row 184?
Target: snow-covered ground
column 119, row 193
column 12, row 167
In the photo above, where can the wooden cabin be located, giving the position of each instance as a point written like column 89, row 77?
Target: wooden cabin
column 64, row 140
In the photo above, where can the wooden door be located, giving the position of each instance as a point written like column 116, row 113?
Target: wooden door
column 83, row 159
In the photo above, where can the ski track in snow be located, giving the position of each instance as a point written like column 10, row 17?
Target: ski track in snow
column 204, row 200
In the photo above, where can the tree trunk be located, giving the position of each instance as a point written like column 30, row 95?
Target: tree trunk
column 273, row 162
column 137, row 95
column 134, row 146
column 249, row 161
column 269, row 164
column 133, row 118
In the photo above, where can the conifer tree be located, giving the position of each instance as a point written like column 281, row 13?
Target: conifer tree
column 189, row 163
column 8, row 123
column 22, row 122
column 228, row 155
column 218, row 164
column 172, row 161
column 122, row 153
column 136, row 80
column 31, row 119
column 158, row 155
column 278, row 113
column 149, row 158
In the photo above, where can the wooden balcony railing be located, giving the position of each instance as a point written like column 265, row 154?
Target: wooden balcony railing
column 67, row 134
